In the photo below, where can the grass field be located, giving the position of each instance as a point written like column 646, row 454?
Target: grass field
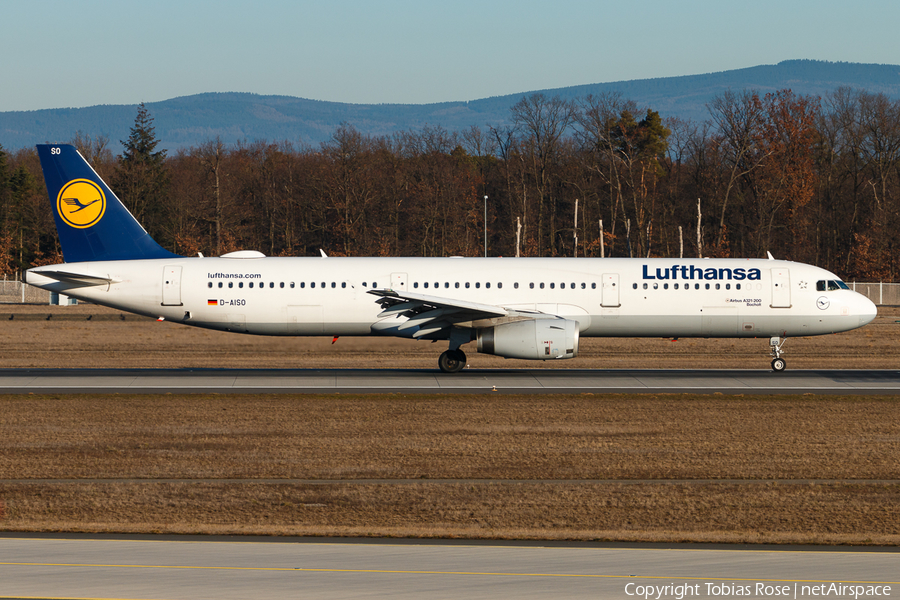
column 782, row 469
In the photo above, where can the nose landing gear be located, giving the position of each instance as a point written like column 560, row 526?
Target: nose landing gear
column 778, row 363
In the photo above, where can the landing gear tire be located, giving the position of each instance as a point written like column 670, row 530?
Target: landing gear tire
column 452, row 361
column 776, row 343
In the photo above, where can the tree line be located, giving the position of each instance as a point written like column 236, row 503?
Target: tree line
column 809, row 179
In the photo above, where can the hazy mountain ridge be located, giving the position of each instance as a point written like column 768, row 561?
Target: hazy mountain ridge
column 190, row 120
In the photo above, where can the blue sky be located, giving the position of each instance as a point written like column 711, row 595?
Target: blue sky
column 65, row 53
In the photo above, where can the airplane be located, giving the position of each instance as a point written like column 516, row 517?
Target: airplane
column 525, row 308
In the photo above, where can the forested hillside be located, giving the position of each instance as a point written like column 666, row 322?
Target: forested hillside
column 809, row 179
column 238, row 117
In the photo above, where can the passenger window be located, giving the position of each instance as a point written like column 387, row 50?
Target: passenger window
column 645, row 286
column 220, row 284
column 737, row 286
column 250, row 285
column 516, row 285
column 416, row 284
column 696, row 286
column 552, row 286
column 230, row 284
column 583, row 285
column 634, row 286
column 707, row 286
column 655, row 286
column 467, row 285
column 718, row 287
column 499, row 285
column 675, row 285
column 312, row 284
column 323, row 284
column 665, row 286
column 343, row 285
column 542, row 285
column 594, row 286
column 727, row 286
column 333, row 285
column 457, row 285
column 530, row 285
column 240, row 284
column 209, row 284
column 436, row 285
column 477, row 285
column 365, row 284
column 487, row 285
column 292, row 285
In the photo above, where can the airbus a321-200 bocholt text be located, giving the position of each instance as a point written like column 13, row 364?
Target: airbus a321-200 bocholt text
column 526, row 308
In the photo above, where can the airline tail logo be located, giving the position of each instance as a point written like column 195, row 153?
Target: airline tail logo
column 81, row 203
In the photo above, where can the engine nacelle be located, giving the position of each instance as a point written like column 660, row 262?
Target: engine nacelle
column 533, row 339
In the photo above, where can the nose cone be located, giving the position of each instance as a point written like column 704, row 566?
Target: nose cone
column 866, row 310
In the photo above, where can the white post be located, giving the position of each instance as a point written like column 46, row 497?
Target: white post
column 575, row 231
column 602, row 243
column 485, row 226
column 518, row 234
column 699, row 241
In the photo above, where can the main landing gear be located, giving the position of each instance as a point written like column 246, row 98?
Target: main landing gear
column 775, row 344
column 452, row 361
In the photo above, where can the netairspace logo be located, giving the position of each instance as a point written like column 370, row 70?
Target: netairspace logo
column 757, row 590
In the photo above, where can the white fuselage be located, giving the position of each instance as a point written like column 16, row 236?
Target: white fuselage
column 614, row 297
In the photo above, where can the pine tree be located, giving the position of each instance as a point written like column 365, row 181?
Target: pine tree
column 141, row 179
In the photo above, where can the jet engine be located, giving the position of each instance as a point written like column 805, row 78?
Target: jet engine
column 532, row 339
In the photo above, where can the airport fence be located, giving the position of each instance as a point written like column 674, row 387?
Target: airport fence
column 881, row 293
column 13, row 291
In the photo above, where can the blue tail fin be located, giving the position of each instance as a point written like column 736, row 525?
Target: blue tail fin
column 91, row 222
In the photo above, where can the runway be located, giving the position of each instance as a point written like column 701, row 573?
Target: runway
column 525, row 381
column 193, row 568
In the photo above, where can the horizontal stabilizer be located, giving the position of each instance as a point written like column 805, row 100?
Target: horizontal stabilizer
column 69, row 277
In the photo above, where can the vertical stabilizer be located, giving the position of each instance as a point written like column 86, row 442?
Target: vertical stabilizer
column 91, row 221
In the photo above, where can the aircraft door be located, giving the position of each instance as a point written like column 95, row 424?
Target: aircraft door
column 398, row 282
column 610, row 290
column 171, row 286
column 781, row 288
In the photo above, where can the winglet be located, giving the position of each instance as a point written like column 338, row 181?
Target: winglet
column 91, row 222
column 769, row 254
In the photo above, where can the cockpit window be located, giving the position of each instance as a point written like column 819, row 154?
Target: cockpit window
column 828, row 286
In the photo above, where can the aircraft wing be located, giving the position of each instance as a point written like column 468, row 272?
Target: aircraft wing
column 431, row 314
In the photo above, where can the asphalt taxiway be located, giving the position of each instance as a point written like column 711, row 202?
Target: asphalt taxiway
column 135, row 567
column 70, row 381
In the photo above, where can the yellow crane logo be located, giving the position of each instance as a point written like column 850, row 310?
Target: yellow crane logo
column 81, row 203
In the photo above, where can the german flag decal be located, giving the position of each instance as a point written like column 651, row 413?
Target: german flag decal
column 212, row 302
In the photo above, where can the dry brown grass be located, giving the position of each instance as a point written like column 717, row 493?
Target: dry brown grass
column 140, row 342
column 430, row 438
